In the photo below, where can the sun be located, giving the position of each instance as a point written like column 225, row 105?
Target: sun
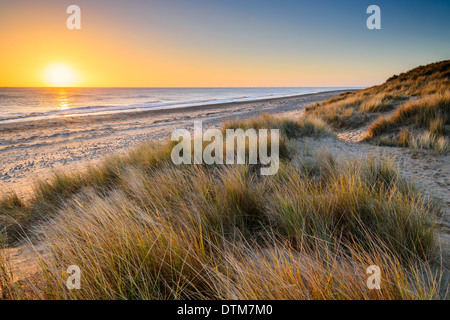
column 60, row 75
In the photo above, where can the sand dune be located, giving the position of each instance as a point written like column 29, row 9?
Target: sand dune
column 31, row 151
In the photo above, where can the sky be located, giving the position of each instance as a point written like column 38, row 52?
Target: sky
column 210, row 43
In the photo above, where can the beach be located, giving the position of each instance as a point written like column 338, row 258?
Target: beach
column 32, row 150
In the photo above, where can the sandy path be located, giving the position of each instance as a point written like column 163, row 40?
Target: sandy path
column 430, row 172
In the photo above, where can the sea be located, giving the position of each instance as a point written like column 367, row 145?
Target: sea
column 27, row 104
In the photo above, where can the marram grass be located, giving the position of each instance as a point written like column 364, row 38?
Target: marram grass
column 140, row 227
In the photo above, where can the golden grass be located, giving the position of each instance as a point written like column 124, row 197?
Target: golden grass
column 354, row 109
column 140, row 227
column 378, row 103
column 289, row 128
column 7, row 288
column 419, row 99
column 184, row 233
column 429, row 116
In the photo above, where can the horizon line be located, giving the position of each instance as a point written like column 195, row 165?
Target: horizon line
column 200, row 87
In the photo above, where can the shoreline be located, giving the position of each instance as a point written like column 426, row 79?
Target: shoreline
column 121, row 110
column 120, row 114
column 31, row 150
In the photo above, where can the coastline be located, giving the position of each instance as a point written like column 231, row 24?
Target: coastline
column 32, row 150
column 35, row 149
column 133, row 113
column 86, row 101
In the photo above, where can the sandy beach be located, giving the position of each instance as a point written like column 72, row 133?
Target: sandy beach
column 31, row 150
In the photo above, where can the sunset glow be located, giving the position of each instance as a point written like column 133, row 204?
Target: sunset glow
column 270, row 45
column 60, row 75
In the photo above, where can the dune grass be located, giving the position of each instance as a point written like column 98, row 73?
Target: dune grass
column 16, row 216
column 289, row 128
column 354, row 109
column 429, row 116
column 140, row 227
column 192, row 232
column 7, row 288
column 418, row 100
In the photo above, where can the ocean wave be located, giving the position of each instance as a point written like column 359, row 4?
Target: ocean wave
column 92, row 102
column 111, row 109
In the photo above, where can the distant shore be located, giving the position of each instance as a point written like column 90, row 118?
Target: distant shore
column 31, row 150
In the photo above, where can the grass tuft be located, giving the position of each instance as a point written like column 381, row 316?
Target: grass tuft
column 400, row 93
column 428, row 117
column 140, row 227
